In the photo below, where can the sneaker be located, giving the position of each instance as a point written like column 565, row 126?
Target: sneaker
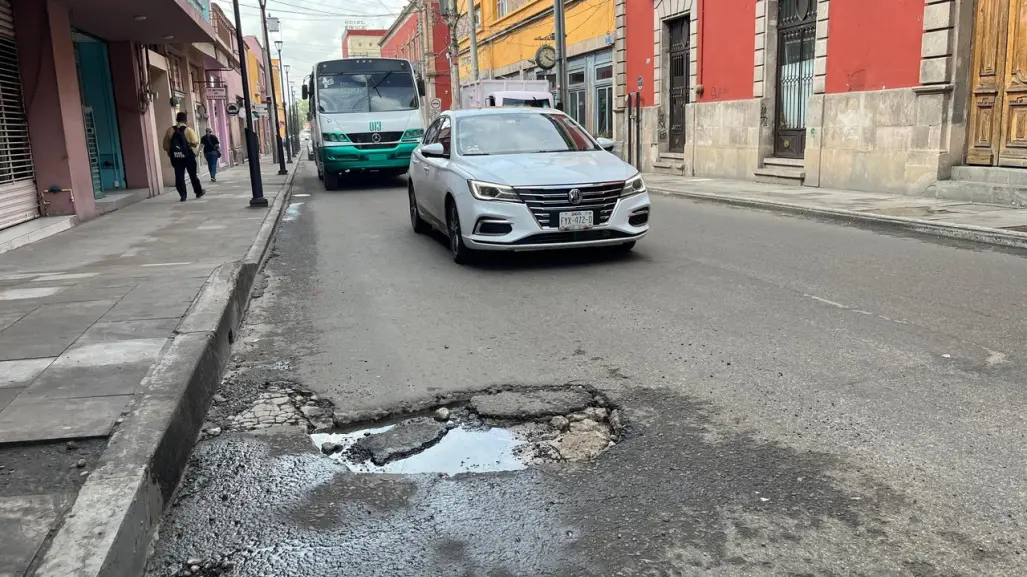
column 201, row 193
column 182, row 198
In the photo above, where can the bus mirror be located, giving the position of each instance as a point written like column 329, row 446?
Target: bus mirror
column 420, row 86
column 306, row 92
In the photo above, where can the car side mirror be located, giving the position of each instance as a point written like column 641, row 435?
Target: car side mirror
column 606, row 144
column 305, row 91
column 420, row 86
column 433, row 150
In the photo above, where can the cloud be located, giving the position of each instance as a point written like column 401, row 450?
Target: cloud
column 312, row 29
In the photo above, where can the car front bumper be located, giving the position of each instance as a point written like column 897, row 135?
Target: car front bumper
column 343, row 158
column 525, row 234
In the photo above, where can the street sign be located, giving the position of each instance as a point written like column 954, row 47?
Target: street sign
column 217, row 93
column 273, row 25
column 436, row 104
column 259, row 108
column 233, row 109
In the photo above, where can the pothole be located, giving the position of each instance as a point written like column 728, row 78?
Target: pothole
column 504, row 431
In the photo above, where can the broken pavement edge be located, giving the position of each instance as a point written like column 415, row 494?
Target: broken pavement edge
column 108, row 531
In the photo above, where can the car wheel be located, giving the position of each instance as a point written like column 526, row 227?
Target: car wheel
column 461, row 254
column 320, row 175
column 419, row 225
column 331, row 181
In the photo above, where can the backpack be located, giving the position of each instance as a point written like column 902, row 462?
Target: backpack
column 179, row 148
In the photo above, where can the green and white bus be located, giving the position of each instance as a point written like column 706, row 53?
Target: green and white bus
column 364, row 116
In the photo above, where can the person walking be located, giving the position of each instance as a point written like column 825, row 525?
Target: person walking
column 180, row 143
column 212, row 152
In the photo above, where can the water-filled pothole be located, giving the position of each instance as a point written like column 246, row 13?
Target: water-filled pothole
column 462, row 449
column 504, row 431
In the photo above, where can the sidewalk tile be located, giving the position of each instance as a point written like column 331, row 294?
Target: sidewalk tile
column 105, row 331
column 48, row 330
column 25, row 521
column 97, row 370
column 22, row 372
column 9, row 394
column 31, row 420
column 8, row 319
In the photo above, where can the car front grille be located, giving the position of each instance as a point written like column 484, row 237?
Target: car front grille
column 547, row 203
column 368, row 137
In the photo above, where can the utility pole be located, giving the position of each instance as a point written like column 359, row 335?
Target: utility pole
column 560, row 38
column 452, row 17
column 290, row 102
column 473, row 19
column 285, row 103
column 252, row 153
column 270, row 83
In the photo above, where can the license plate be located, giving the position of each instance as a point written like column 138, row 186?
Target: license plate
column 576, row 220
column 377, row 157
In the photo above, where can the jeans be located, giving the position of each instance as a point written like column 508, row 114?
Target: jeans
column 181, row 167
column 212, row 164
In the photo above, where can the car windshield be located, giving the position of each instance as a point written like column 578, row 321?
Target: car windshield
column 532, row 102
column 519, row 134
column 375, row 92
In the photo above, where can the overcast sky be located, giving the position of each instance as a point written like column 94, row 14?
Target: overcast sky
column 312, row 29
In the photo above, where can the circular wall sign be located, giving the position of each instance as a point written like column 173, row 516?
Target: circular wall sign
column 436, row 104
column 233, row 109
column 545, row 57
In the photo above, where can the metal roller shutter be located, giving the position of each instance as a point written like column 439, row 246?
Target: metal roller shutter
column 18, row 201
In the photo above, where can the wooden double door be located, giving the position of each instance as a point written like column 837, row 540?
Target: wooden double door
column 998, row 97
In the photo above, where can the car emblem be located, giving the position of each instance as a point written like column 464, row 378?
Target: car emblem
column 376, row 137
column 574, row 196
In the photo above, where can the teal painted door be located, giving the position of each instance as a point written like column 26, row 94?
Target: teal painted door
column 94, row 73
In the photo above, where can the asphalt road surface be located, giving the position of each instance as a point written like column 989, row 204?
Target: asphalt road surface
column 799, row 398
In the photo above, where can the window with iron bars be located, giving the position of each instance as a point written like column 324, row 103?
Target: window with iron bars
column 502, row 8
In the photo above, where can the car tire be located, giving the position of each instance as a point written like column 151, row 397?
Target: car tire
column 419, row 225
column 320, row 175
column 331, row 180
column 461, row 254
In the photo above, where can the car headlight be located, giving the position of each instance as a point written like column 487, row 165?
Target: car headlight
column 490, row 191
column 634, row 185
column 413, row 134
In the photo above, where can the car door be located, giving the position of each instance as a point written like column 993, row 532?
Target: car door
column 435, row 171
column 420, row 170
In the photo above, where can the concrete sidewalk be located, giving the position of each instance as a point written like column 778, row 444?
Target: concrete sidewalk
column 988, row 223
column 84, row 315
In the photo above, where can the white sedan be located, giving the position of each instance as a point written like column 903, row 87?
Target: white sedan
column 519, row 179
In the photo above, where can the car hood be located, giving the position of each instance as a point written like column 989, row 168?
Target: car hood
column 548, row 169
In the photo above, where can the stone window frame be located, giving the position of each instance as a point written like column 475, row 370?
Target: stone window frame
column 664, row 10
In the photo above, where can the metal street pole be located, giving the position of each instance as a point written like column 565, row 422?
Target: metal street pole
column 472, row 18
column 285, row 103
column 560, row 38
column 252, row 153
column 290, row 99
column 452, row 14
column 271, row 88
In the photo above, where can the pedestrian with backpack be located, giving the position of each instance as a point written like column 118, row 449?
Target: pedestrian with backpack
column 212, row 152
column 180, row 143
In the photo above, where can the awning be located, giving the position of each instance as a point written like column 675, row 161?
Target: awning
column 150, row 21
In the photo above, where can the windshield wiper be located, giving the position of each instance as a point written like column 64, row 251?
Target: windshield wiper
column 376, row 84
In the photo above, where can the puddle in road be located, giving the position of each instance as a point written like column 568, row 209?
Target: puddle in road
column 463, row 449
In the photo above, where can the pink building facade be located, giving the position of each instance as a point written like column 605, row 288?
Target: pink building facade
column 97, row 85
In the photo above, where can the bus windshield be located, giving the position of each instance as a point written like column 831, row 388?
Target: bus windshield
column 366, row 92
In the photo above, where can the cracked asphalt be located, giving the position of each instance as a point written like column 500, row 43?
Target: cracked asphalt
column 800, row 398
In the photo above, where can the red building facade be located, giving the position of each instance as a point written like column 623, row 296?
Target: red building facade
column 419, row 34
column 873, row 95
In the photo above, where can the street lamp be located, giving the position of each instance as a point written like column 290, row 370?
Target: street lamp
column 270, row 84
column 285, row 98
column 252, row 153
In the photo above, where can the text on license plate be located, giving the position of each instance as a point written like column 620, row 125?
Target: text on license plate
column 576, row 220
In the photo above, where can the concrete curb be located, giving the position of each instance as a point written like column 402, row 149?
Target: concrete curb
column 979, row 234
column 108, row 531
